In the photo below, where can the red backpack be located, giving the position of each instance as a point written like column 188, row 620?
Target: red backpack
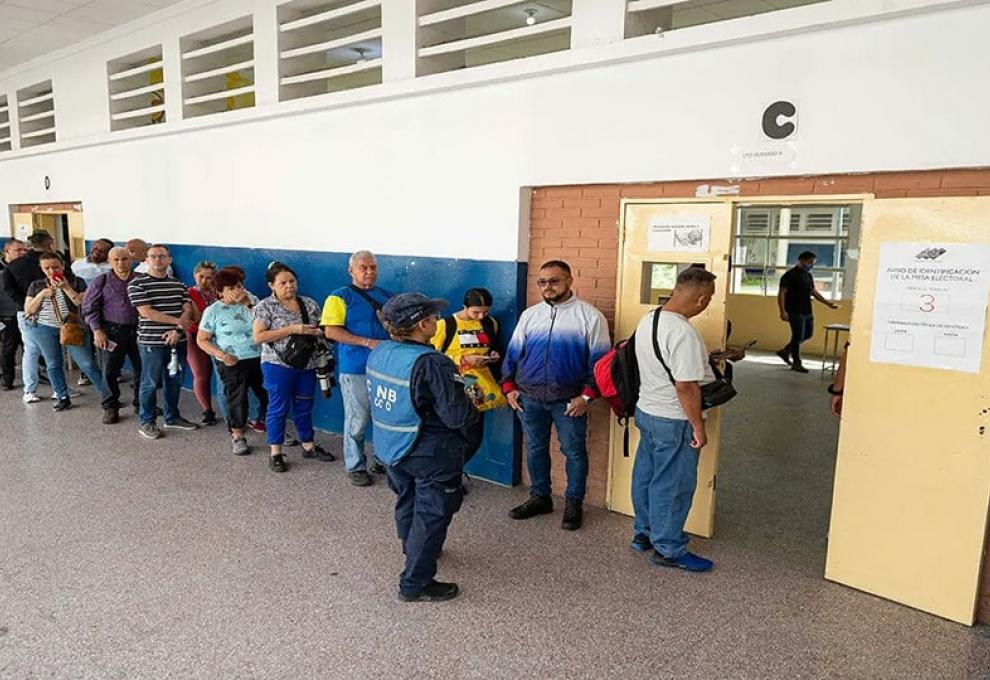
column 617, row 379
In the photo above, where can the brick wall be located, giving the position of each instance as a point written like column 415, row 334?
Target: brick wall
column 579, row 224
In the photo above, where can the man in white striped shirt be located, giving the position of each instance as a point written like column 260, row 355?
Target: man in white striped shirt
column 166, row 313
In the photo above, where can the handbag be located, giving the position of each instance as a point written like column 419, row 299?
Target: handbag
column 712, row 394
column 70, row 331
column 299, row 349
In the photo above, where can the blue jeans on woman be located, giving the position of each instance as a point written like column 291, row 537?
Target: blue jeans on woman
column 46, row 338
column 663, row 480
column 536, row 418
column 289, row 387
column 30, row 359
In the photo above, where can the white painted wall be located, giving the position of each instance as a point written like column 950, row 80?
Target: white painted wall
column 434, row 166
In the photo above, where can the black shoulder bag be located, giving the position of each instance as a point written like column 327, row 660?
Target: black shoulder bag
column 713, row 393
column 375, row 304
column 299, row 350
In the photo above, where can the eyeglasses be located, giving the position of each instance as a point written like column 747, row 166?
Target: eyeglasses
column 543, row 283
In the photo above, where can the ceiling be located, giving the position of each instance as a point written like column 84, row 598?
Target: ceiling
column 32, row 28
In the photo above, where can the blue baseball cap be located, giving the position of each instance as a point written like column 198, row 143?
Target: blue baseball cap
column 408, row 309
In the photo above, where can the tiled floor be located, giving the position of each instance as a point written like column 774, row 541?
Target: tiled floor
column 126, row 558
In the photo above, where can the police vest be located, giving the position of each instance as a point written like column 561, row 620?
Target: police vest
column 393, row 415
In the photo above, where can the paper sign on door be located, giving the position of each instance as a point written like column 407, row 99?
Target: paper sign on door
column 931, row 305
column 680, row 233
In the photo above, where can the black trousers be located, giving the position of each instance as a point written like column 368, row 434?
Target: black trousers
column 475, row 435
column 10, row 339
column 113, row 362
column 237, row 380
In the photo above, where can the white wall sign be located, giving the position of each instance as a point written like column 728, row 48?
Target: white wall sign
column 22, row 231
column 931, row 305
column 680, row 233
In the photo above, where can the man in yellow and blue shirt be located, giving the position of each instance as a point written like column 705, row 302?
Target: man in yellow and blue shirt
column 352, row 318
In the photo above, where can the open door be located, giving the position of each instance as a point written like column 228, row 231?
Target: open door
column 659, row 239
column 912, row 482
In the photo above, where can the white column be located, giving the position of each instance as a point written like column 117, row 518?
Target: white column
column 265, row 53
column 398, row 40
column 172, row 65
column 597, row 22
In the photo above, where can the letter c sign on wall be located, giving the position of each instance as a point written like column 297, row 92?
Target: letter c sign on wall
column 780, row 120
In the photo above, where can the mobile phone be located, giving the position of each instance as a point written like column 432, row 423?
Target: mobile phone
column 111, row 345
column 58, row 277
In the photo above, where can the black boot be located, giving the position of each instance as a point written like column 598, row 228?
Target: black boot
column 573, row 513
column 536, row 505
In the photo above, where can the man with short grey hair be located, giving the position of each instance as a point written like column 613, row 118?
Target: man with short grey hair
column 352, row 318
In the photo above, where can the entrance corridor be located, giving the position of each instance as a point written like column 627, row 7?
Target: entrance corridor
column 127, row 558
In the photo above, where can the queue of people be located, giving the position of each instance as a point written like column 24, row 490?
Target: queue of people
column 422, row 381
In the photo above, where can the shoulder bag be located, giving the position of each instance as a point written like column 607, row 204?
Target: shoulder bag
column 70, row 331
column 712, row 394
column 299, row 350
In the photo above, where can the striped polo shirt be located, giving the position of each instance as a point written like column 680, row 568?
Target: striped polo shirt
column 165, row 295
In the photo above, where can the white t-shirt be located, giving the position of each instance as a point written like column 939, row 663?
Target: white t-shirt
column 684, row 351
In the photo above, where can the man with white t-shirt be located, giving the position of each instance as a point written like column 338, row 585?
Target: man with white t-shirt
column 672, row 429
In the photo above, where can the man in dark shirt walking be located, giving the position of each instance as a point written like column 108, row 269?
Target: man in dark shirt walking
column 797, row 287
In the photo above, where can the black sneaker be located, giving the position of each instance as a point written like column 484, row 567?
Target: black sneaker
column 435, row 592
column 320, row 453
column 111, row 416
column 641, row 543
column 360, row 478
column 290, row 441
column 62, row 405
column 784, row 355
column 536, row 505
column 276, row 463
column 798, row 368
column 376, row 467
column 181, row 423
column 573, row 514
column 209, row 418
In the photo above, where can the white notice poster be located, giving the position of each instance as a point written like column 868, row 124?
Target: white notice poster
column 931, row 305
column 680, row 233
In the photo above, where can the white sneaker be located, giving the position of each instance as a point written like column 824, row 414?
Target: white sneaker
column 31, row 398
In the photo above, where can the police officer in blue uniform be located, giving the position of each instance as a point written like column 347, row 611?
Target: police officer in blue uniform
column 421, row 416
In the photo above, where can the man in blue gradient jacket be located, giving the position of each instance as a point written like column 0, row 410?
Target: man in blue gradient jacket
column 548, row 380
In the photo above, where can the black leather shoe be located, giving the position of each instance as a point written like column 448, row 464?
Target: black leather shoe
column 799, row 368
column 376, row 467
column 360, row 478
column 318, row 452
column 62, row 405
column 209, row 418
column 277, row 463
column 111, row 416
column 435, row 592
column 573, row 513
column 536, row 505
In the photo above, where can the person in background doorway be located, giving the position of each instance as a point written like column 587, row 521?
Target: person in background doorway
column 548, row 379
column 49, row 303
column 670, row 422
column 10, row 332
column 469, row 337
column 351, row 319
column 166, row 314
column 837, row 388
column 114, row 323
column 421, row 417
column 226, row 334
column 797, row 287
column 202, row 296
column 278, row 319
column 94, row 264
column 139, row 252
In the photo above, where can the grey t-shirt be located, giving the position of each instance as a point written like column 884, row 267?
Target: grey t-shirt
column 274, row 315
column 684, row 351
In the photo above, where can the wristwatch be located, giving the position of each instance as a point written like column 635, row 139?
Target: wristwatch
column 587, row 399
column 834, row 392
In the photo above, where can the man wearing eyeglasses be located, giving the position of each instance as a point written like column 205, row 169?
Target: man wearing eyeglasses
column 548, row 381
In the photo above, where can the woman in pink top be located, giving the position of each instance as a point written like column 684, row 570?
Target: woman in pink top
column 203, row 295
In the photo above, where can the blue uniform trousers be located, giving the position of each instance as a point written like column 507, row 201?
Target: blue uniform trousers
column 428, row 485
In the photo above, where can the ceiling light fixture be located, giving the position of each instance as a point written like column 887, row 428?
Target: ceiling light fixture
column 530, row 16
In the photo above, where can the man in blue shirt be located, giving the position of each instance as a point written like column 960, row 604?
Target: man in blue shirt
column 421, row 418
column 351, row 318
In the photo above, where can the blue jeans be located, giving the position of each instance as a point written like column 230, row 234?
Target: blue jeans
column 154, row 374
column 663, row 480
column 536, row 418
column 289, row 387
column 802, row 328
column 357, row 415
column 46, row 339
